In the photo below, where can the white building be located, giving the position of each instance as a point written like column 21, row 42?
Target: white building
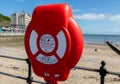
column 20, row 20
column 14, row 19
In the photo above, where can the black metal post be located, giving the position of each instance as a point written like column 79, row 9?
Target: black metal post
column 29, row 78
column 102, row 72
column 47, row 82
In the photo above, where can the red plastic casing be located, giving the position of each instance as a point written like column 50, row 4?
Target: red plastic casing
column 53, row 20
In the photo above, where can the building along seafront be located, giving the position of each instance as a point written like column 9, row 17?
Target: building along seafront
column 20, row 20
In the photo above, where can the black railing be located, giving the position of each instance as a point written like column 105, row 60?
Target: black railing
column 102, row 71
column 29, row 79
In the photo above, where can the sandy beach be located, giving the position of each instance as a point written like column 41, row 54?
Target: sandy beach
column 90, row 58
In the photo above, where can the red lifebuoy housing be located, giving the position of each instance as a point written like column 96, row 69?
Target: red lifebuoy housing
column 53, row 42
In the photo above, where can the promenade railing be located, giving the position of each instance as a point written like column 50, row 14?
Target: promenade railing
column 102, row 71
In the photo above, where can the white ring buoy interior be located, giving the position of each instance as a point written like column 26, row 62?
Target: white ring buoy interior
column 47, row 45
column 61, row 44
column 47, row 59
column 33, row 42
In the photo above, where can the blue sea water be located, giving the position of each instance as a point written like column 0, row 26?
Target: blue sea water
column 101, row 39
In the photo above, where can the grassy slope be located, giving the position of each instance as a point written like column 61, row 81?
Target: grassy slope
column 12, row 41
column 4, row 20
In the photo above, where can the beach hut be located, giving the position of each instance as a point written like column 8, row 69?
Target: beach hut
column 0, row 29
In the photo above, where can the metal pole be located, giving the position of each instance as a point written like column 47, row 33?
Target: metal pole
column 102, row 72
column 29, row 78
column 15, row 58
column 47, row 82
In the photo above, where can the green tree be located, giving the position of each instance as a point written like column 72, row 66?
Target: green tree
column 4, row 20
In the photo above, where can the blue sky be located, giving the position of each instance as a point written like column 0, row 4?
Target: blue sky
column 93, row 16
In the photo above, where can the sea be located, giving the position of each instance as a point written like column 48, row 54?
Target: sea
column 101, row 39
